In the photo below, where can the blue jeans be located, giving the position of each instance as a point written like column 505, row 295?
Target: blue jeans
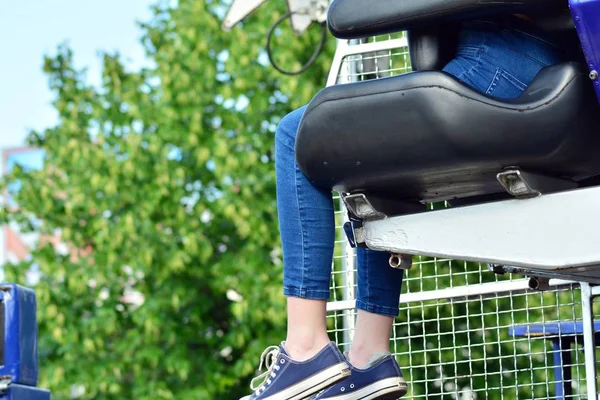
column 500, row 58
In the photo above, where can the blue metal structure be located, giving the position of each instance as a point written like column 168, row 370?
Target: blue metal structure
column 18, row 345
column 563, row 336
column 20, row 359
column 586, row 14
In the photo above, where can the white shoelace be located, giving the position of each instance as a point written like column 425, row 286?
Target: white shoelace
column 269, row 360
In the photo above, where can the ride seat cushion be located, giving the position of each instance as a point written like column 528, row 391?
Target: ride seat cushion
column 352, row 19
column 425, row 136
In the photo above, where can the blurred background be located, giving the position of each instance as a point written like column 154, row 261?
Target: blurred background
column 138, row 189
column 138, row 200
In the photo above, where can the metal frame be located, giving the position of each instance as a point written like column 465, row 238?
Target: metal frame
column 527, row 233
column 348, row 48
column 466, row 292
column 348, row 258
column 544, row 234
column 589, row 340
column 586, row 14
column 351, row 51
column 303, row 12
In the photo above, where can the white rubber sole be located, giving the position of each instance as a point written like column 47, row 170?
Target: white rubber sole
column 385, row 389
column 314, row 384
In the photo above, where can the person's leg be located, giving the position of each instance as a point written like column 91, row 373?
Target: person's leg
column 306, row 220
column 377, row 299
column 306, row 331
column 375, row 371
column 307, row 362
column 372, row 336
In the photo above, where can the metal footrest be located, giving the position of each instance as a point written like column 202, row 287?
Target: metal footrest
column 550, row 235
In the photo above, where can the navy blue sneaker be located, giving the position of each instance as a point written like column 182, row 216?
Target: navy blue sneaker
column 286, row 379
column 381, row 380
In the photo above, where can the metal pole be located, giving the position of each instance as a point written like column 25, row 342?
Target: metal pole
column 589, row 342
column 339, row 75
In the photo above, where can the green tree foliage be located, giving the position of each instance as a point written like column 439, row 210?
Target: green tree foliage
column 162, row 182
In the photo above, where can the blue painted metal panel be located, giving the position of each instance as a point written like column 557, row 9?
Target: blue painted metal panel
column 19, row 392
column 562, row 335
column 586, row 14
column 20, row 335
column 550, row 329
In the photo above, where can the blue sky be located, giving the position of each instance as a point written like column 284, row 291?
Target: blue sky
column 29, row 29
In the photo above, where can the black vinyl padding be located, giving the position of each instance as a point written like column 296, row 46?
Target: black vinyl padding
column 425, row 136
column 353, row 19
column 432, row 47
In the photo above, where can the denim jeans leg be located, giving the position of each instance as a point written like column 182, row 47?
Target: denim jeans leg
column 501, row 60
column 306, row 220
column 379, row 285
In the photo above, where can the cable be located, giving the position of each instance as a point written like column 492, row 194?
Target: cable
column 312, row 59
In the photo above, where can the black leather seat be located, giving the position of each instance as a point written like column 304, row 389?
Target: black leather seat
column 425, row 136
column 349, row 19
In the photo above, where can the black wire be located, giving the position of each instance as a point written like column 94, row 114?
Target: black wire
column 312, row 59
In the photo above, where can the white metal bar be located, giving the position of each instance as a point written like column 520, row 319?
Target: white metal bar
column 301, row 21
column 348, row 270
column 589, row 341
column 336, row 76
column 239, row 10
column 347, row 48
column 546, row 233
column 371, row 47
column 338, row 61
column 458, row 292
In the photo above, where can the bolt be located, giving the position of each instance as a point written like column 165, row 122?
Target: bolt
column 540, row 284
column 594, row 75
column 398, row 261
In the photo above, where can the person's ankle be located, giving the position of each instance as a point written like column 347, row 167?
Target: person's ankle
column 360, row 356
column 305, row 349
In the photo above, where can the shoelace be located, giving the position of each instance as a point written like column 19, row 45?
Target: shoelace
column 269, row 360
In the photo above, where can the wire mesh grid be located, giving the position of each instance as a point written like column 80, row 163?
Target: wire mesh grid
column 596, row 318
column 503, row 343
column 384, row 61
column 356, row 67
column 511, row 345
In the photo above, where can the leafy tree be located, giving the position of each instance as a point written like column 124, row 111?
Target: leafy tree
column 161, row 182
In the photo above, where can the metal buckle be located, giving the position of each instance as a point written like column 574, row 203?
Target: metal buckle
column 361, row 208
column 401, row 261
column 355, row 233
column 525, row 185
